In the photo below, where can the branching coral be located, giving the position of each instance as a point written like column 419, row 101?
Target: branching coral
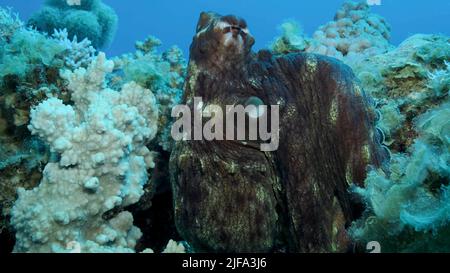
column 9, row 23
column 101, row 165
column 91, row 19
column 24, row 50
column 29, row 65
column 79, row 54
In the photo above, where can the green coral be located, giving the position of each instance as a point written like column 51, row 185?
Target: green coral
column 391, row 120
column 163, row 73
column 29, row 72
column 26, row 50
column 291, row 39
column 435, row 126
column 9, row 23
column 440, row 80
column 23, row 50
column 413, row 201
column 408, row 207
column 405, row 85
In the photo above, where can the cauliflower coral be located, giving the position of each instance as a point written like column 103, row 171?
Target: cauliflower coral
column 100, row 163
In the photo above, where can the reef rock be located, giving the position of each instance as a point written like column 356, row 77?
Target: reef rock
column 406, row 82
column 407, row 207
column 229, row 196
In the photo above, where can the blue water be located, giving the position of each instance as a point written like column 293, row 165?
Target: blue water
column 173, row 21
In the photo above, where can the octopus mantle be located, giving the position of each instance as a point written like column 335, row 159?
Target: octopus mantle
column 231, row 197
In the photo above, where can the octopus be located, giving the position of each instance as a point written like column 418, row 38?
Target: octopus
column 229, row 195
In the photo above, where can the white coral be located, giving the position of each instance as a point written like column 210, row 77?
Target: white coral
column 162, row 73
column 355, row 32
column 439, row 80
column 102, row 165
column 174, row 247
column 77, row 54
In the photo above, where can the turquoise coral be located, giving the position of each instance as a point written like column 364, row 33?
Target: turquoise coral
column 162, row 72
column 92, row 20
column 408, row 207
column 29, row 64
column 26, row 50
column 291, row 39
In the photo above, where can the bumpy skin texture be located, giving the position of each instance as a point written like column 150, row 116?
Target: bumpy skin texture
column 231, row 197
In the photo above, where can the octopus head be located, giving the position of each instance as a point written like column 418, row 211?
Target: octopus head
column 221, row 38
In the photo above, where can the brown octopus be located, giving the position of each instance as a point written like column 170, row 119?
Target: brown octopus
column 229, row 196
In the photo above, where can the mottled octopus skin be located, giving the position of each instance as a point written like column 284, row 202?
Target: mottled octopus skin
column 231, row 197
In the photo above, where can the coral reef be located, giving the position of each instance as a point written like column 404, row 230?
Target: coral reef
column 29, row 65
column 29, row 73
column 408, row 205
column 23, row 156
column 406, row 82
column 9, row 23
column 101, row 163
column 79, row 54
column 92, row 19
column 409, row 208
column 296, row 198
column 27, row 50
column 354, row 33
column 161, row 72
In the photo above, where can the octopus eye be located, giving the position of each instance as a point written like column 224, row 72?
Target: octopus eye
column 235, row 30
column 258, row 109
